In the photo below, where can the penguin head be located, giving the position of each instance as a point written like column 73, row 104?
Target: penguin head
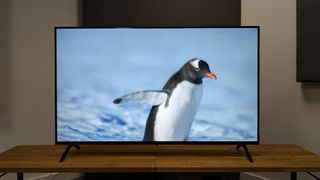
column 195, row 70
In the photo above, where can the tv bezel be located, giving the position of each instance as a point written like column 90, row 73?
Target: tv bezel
column 157, row 142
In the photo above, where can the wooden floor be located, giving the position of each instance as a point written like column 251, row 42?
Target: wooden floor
column 160, row 158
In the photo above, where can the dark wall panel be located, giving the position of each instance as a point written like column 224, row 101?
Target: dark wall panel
column 308, row 40
column 155, row 13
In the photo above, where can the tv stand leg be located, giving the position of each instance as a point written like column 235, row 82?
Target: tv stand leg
column 19, row 176
column 65, row 153
column 293, row 175
column 246, row 150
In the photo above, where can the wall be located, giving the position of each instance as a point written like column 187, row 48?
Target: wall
column 289, row 110
column 277, row 65
column 29, row 61
column 4, row 66
column 26, row 66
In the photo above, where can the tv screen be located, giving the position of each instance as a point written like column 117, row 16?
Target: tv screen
column 135, row 85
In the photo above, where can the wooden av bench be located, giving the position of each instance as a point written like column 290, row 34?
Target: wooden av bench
column 158, row 158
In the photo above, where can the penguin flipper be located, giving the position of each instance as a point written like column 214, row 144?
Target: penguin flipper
column 152, row 97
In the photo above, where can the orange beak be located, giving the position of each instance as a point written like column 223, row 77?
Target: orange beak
column 211, row 76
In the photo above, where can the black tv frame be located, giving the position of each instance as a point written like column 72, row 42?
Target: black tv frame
column 239, row 143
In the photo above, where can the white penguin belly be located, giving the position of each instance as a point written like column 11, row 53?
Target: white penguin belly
column 173, row 122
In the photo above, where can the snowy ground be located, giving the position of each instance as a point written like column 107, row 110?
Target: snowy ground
column 96, row 66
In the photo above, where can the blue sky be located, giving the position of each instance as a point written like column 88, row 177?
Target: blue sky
column 95, row 66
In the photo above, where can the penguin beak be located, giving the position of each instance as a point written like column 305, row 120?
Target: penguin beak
column 211, row 76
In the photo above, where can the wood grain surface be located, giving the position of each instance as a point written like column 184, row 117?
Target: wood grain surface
column 90, row 158
column 160, row 158
column 225, row 158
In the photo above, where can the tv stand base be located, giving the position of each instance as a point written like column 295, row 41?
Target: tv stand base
column 246, row 150
column 65, row 153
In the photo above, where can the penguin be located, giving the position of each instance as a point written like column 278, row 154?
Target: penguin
column 175, row 106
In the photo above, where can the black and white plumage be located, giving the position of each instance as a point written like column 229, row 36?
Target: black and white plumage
column 175, row 106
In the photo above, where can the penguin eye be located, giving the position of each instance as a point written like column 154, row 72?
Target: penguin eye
column 196, row 68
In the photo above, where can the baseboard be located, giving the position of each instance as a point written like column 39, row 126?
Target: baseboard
column 253, row 176
column 57, row 176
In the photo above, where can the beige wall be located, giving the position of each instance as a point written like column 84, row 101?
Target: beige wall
column 26, row 69
column 4, row 66
column 277, row 66
column 290, row 112
column 28, row 59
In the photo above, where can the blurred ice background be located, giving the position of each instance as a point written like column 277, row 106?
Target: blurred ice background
column 95, row 66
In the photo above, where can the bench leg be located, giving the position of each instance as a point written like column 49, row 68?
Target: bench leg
column 19, row 176
column 293, row 175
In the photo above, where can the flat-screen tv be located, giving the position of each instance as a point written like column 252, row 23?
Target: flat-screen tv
column 157, row 85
